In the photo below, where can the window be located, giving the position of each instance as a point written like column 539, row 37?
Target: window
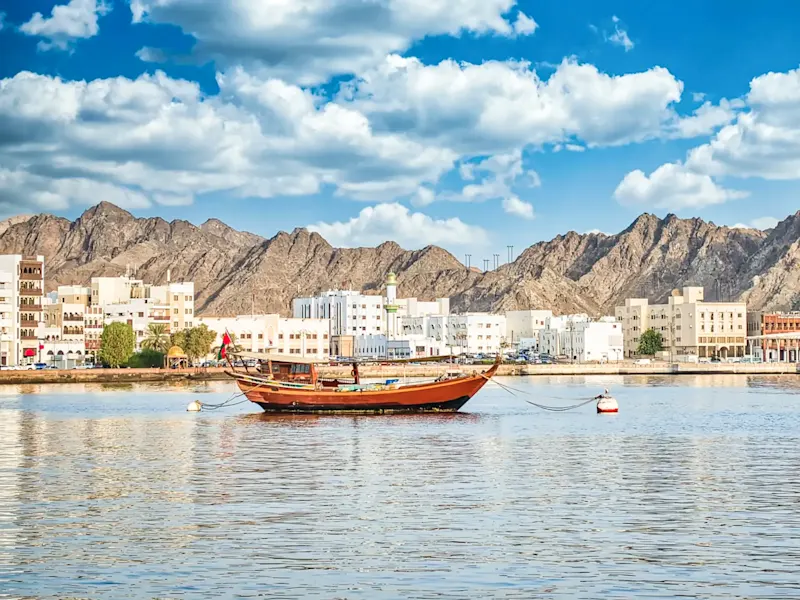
column 175, row 298
column 189, row 324
column 141, row 314
column 280, row 336
column 174, row 311
column 176, row 324
column 261, row 336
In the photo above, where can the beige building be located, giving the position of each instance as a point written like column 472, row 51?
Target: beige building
column 21, row 293
column 688, row 325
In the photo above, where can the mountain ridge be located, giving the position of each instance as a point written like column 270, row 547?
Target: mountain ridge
column 236, row 272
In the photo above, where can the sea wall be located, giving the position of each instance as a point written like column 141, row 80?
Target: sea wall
column 388, row 371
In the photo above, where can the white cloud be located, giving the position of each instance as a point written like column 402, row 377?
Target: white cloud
column 495, row 176
column 2, row 20
column 156, row 135
column 308, row 41
column 67, row 23
column 706, row 119
column 620, row 36
column 524, row 25
column 392, row 221
column 423, row 196
column 763, row 141
column 698, row 96
column 595, row 232
column 673, row 187
column 491, row 107
column 762, row 223
column 20, row 188
column 514, row 206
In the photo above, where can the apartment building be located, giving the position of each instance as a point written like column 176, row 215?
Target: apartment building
column 688, row 325
column 470, row 333
column 62, row 339
column 21, row 293
column 262, row 333
column 523, row 327
column 775, row 336
column 552, row 339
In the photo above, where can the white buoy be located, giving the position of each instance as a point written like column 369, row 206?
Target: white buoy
column 607, row 403
column 194, row 406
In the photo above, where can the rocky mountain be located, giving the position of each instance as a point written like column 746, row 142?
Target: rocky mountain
column 238, row 272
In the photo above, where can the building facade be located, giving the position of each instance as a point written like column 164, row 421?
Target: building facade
column 774, row 336
column 263, row 333
column 525, row 325
column 688, row 325
column 21, row 306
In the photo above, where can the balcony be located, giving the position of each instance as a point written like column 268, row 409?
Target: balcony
column 92, row 345
column 28, row 337
column 30, row 307
column 73, row 317
column 29, row 324
column 160, row 317
column 26, row 291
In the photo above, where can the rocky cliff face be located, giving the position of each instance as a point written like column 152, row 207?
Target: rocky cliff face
column 236, row 272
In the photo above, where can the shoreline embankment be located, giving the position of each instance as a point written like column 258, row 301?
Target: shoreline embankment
column 390, row 371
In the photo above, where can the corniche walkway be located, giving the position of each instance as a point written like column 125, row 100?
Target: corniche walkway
column 378, row 372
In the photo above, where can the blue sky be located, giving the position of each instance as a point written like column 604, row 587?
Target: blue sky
column 472, row 125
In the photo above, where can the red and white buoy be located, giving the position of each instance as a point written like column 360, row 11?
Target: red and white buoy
column 607, row 403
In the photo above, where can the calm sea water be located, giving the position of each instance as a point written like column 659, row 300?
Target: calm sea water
column 117, row 492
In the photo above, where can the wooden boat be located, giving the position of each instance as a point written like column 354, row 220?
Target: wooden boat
column 286, row 383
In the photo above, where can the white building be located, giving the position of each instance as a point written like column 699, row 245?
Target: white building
column 525, row 325
column 21, row 293
column 350, row 313
column 370, row 346
column 688, row 325
column 551, row 340
column 582, row 339
column 62, row 335
column 470, row 333
column 262, row 333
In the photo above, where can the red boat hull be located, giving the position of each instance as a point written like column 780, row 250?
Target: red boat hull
column 441, row 396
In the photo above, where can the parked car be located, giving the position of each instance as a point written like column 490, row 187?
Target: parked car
column 642, row 361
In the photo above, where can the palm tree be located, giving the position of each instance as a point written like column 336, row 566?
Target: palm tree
column 157, row 338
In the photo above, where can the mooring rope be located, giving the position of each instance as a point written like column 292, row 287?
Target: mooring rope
column 228, row 402
column 511, row 391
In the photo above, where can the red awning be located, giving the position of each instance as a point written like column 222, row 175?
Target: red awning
column 29, row 352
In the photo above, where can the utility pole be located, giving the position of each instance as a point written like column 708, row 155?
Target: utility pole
column 510, row 253
column 485, row 264
column 496, row 260
column 468, row 256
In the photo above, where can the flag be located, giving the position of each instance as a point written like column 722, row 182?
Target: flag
column 223, row 349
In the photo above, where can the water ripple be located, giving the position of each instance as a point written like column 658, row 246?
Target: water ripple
column 118, row 493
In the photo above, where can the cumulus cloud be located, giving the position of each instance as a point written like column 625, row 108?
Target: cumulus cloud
column 495, row 176
column 393, row 221
column 620, row 36
column 673, row 187
column 67, row 23
column 762, row 141
column 307, row 42
column 494, row 106
column 156, row 135
column 762, row 223
column 2, row 20
column 514, row 206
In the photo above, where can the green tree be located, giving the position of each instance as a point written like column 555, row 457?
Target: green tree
column 195, row 342
column 146, row 359
column 157, row 338
column 116, row 344
column 650, row 343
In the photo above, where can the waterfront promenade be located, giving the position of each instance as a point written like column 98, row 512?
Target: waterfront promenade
column 426, row 370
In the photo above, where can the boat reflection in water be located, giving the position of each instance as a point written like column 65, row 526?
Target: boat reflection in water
column 285, row 383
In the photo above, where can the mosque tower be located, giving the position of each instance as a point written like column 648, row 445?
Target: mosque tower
column 391, row 306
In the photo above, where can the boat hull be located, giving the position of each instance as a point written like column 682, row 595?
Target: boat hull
column 441, row 396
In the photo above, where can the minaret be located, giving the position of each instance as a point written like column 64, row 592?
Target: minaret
column 391, row 306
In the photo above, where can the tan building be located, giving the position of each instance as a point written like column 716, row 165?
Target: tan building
column 21, row 293
column 688, row 325
column 259, row 333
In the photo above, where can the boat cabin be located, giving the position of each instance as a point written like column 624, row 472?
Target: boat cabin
column 282, row 367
